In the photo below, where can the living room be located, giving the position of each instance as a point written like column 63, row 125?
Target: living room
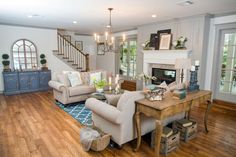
column 129, row 75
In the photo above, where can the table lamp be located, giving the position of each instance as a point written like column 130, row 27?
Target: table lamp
column 182, row 63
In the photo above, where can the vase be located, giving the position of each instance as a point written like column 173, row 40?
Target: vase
column 99, row 90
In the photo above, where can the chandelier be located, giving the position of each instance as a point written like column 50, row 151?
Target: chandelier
column 108, row 42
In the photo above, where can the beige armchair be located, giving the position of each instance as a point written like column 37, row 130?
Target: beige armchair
column 119, row 120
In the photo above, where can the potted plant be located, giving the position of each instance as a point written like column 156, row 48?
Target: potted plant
column 180, row 43
column 99, row 84
column 6, row 62
column 43, row 61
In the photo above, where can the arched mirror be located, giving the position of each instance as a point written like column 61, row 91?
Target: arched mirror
column 24, row 54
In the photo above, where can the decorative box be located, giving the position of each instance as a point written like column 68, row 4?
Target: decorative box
column 168, row 144
column 155, row 94
column 186, row 133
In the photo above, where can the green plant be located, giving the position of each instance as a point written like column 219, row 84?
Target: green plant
column 100, row 83
column 5, row 56
column 42, row 56
column 43, row 61
column 5, row 62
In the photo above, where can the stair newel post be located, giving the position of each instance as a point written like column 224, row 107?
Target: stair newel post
column 87, row 62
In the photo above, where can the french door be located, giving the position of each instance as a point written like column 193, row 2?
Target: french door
column 226, row 75
column 127, row 58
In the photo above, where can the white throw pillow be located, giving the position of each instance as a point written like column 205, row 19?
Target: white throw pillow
column 63, row 78
column 74, row 79
column 95, row 76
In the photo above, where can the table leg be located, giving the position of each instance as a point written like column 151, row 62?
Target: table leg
column 138, row 129
column 190, row 108
column 209, row 105
column 158, row 138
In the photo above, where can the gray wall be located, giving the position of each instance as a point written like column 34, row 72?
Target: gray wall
column 194, row 28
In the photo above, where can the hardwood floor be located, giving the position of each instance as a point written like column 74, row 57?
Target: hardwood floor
column 32, row 125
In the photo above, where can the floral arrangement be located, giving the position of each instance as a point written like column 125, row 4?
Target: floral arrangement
column 145, row 77
column 146, row 45
column 180, row 43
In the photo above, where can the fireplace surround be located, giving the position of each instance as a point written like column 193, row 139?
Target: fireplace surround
column 164, row 60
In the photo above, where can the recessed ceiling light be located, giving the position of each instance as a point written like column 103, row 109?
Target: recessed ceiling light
column 154, row 15
column 185, row 3
column 33, row 15
column 74, row 22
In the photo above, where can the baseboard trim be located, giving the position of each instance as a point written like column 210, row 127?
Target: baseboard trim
column 224, row 104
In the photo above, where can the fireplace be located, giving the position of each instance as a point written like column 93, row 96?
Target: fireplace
column 167, row 75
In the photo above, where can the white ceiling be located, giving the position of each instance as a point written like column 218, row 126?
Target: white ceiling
column 92, row 15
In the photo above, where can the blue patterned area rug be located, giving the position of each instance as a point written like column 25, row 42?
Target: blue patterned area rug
column 78, row 111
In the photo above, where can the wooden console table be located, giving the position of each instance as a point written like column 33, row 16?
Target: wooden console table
column 167, row 108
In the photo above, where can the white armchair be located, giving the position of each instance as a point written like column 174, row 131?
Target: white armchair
column 119, row 121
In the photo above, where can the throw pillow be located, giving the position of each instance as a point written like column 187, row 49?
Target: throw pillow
column 74, row 79
column 95, row 76
column 63, row 79
column 112, row 99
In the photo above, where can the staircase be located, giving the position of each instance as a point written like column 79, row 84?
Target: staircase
column 71, row 55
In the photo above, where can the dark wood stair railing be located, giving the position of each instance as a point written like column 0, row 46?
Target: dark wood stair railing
column 72, row 54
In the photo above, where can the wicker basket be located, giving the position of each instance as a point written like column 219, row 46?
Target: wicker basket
column 102, row 142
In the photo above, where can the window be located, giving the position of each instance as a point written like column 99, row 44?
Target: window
column 127, row 60
column 228, row 64
column 24, row 54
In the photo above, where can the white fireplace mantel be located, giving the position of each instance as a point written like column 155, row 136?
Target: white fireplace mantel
column 162, row 57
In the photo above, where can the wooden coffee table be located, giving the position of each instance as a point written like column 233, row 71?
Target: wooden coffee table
column 99, row 96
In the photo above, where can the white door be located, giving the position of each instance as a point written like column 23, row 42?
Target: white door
column 226, row 73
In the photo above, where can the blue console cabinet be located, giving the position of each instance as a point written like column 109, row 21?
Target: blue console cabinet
column 25, row 81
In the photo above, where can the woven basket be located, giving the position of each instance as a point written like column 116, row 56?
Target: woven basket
column 102, row 142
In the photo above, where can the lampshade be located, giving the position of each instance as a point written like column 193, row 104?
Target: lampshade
column 182, row 63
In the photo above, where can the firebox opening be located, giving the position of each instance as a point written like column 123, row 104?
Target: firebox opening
column 167, row 75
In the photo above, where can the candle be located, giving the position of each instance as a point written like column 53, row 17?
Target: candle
column 109, row 81
column 106, row 35
column 124, row 37
column 192, row 68
column 196, row 62
column 112, row 40
column 117, row 79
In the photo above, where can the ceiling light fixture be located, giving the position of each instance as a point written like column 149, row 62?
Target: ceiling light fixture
column 154, row 16
column 108, row 42
column 74, row 22
column 185, row 3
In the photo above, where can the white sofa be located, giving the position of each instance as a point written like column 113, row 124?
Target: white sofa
column 64, row 93
column 118, row 121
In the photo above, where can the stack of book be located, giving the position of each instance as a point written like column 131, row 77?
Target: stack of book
column 166, row 132
column 185, row 122
column 179, row 94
